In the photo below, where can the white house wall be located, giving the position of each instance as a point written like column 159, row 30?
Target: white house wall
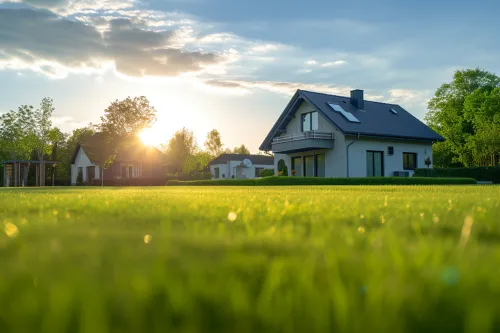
column 357, row 155
column 335, row 159
column 82, row 161
column 228, row 169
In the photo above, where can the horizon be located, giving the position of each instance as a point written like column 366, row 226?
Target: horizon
column 221, row 65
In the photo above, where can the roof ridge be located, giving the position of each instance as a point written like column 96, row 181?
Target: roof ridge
column 338, row 96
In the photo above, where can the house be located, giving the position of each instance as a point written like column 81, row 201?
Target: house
column 321, row 135
column 133, row 161
column 240, row 166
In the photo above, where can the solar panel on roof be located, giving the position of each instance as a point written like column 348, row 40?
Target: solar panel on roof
column 349, row 116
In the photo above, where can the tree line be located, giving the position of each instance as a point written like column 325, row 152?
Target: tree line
column 466, row 112
column 28, row 134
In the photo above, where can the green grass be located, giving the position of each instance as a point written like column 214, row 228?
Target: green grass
column 250, row 259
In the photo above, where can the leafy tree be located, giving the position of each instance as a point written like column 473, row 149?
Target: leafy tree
column 459, row 110
column 181, row 147
column 241, row 150
column 214, row 143
column 127, row 117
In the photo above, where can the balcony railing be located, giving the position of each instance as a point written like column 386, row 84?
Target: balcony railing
column 303, row 136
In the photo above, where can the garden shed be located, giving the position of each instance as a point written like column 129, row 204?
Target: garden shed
column 22, row 173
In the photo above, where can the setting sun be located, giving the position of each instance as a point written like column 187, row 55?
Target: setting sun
column 151, row 137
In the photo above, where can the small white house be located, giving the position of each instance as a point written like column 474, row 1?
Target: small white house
column 321, row 135
column 240, row 166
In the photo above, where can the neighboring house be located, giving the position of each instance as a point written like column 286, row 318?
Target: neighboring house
column 320, row 135
column 136, row 161
column 240, row 166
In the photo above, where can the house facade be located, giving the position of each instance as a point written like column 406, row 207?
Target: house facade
column 240, row 166
column 133, row 162
column 321, row 135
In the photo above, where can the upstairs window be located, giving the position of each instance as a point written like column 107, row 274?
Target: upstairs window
column 310, row 121
column 409, row 161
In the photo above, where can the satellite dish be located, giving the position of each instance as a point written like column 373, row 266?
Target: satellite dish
column 247, row 163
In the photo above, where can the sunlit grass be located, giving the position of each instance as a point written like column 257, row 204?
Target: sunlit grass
column 246, row 259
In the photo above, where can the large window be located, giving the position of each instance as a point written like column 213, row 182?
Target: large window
column 297, row 166
column 257, row 172
column 309, row 166
column 374, row 163
column 320, row 165
column 409, row 161
column 90, row 173
column 310, row 121
column 216, row 171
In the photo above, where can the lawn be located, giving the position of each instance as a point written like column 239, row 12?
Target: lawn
column 250, row 259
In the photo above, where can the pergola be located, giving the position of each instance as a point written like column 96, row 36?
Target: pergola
column 15, row 172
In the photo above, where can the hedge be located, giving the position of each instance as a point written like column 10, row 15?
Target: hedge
column 267, row 173
column 131, row 182
column 279, row 181
column 478, row 173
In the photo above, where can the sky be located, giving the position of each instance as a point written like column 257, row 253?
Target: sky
column 233, row 65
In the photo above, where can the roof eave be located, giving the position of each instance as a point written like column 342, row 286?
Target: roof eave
column 411, row 138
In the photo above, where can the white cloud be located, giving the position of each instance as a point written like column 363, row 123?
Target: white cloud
column 55, row 46
column 311, row 62
column 334, row 63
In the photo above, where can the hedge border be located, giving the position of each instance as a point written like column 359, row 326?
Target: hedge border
column 478, row 173
column 291, row 181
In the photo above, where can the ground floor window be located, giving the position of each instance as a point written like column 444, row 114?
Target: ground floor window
column 217, row 172
column 409, row 161
column 297, row 166
column 257, row 172
column 90, row 173
column 374, row 163
column 309, row 165
column 320, row 165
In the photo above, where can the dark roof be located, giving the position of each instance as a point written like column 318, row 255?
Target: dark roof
column 98, row 150
column 376, row 119
column 255, row 159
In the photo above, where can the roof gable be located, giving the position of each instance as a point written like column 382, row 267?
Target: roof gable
column 376, row 119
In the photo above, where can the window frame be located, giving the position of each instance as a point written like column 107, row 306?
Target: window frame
column 406, row 161
column 257, row 172
column 216, row 172
column 310, row 115
column 373, row 162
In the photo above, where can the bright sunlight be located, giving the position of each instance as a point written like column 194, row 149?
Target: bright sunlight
column 152, row 136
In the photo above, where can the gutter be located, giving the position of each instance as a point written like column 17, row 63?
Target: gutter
column 347, row 153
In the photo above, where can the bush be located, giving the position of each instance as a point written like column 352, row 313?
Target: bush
column 293, row 181
column 131, row 182
column 266, row 173
column 478, row 173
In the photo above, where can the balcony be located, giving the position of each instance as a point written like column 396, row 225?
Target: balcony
column 302, row 142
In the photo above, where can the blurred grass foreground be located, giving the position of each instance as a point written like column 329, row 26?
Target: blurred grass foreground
column 247, row 259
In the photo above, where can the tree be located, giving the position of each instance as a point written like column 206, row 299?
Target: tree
column 459, row 110
column 214, row 143
column 241, row 150
column 127, row 117
column 180, row 148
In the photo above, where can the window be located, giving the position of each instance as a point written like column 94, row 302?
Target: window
column 349, row 116
column 319, row 165
column 309, row 166
column 80, row 174
column 374, row 163
column 216, row 171
column 310, row 122
column 409, row 161
column 390, row 151
column 90, row 173
column 297, row 166
column 257, row 172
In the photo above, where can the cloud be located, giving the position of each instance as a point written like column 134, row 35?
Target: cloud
column 69, row 7
column 334, row 63
column 311, row 62
column 286, row 88
column 409, row 97
column 55, row 46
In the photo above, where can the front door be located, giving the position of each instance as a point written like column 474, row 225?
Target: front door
column 309, row 166
column 374, row 163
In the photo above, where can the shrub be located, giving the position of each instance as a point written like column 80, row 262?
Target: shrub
column 293, row 181
column 478, row 173
column 266, row 173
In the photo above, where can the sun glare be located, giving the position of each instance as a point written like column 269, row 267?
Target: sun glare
column 151, row 137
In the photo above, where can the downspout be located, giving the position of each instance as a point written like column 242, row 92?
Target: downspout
column 347, row 153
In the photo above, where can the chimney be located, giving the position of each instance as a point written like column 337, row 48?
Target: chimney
column 357, row 99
